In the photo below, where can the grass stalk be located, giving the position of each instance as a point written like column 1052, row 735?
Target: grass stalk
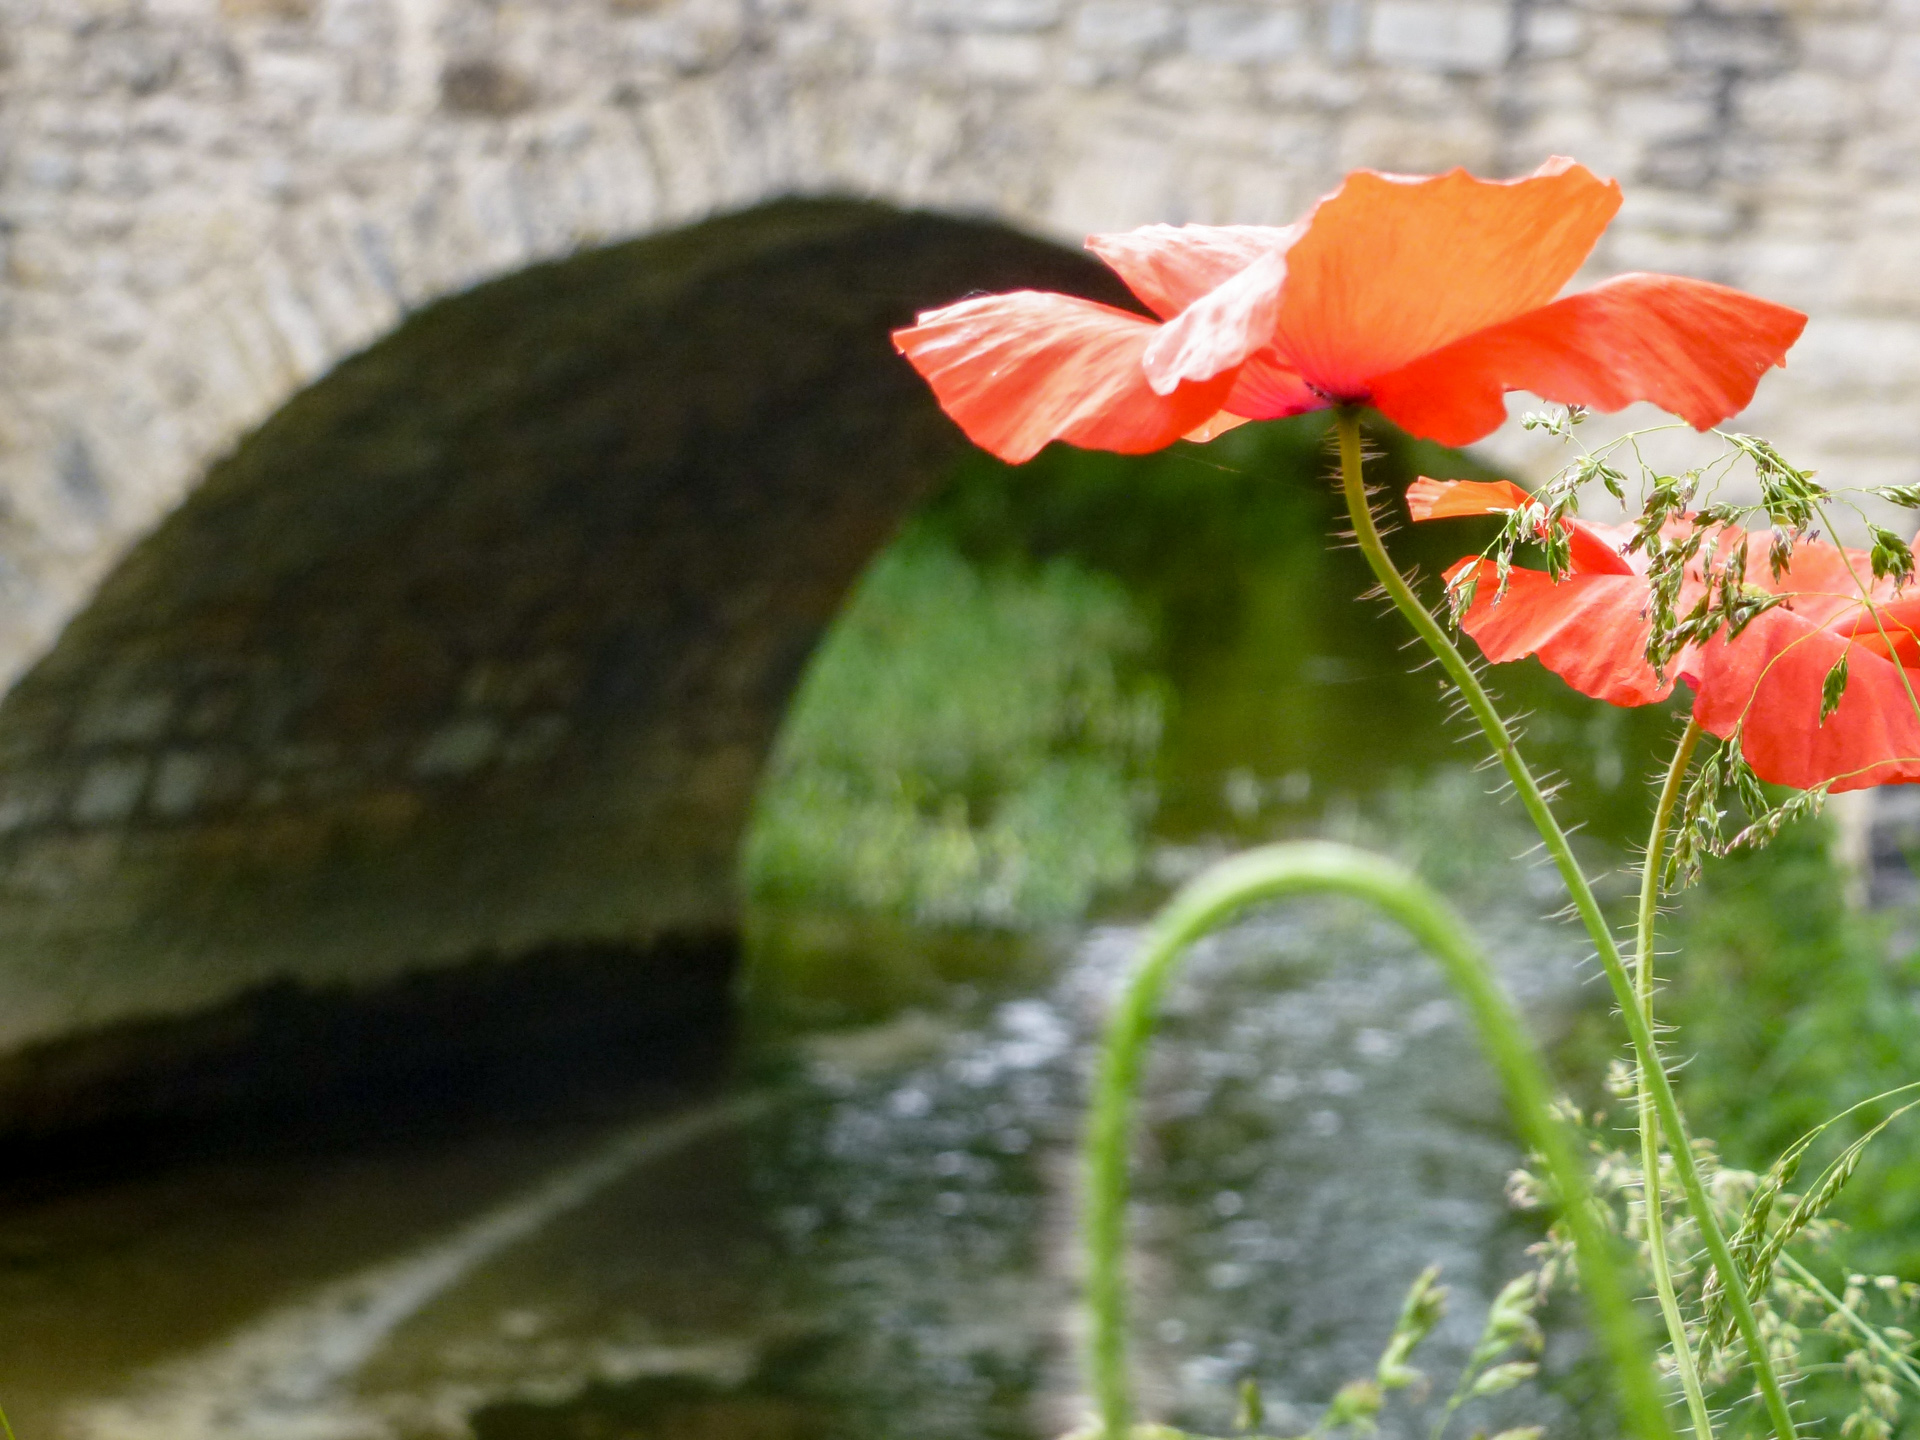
column 1649, row 1121
column 1269, row 873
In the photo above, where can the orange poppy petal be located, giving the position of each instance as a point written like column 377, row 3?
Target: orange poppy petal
column 1214, row 428
column 1221, row 329
column 1590, row 630
column 1015, row 371
column 1768, row 683
column 1824, row 579
column 1391, row 268
column 1890, row 630
column 1693, row 348
column 1594, row 549
column 1171, row 266
column 1267, row 390
column 1452, row 499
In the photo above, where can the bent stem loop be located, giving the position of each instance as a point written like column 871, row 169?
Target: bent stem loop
column 1639, row 1032
column 1643, row 1098
column 1268, row 873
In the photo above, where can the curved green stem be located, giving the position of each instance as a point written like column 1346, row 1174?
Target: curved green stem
column 1643, row 1097
column 1309, row 868
column 1347, row 427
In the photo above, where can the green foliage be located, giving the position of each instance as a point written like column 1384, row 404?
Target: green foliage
column 1424, row 1307
column 1796, row 1047
column 1790, row 1010
column 1724, row 786
column 970, row 746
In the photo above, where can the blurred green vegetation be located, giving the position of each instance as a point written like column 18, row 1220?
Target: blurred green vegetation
column 1791, row 1006
column 971, row 745
column 1059, row 661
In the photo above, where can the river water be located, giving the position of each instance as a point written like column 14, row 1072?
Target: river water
column 861, row 1231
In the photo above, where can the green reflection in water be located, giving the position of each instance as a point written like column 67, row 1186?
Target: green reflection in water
column 1063, row 667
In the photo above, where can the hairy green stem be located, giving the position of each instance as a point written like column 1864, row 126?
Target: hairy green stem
column 1643, row 1096
column 1646, row 1054
column 1268, row 873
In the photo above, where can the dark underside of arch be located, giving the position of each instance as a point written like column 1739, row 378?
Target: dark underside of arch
column 419, row 740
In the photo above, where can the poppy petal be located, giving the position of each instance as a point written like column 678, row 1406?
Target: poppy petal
column 1826, row 581
column 1220, row 329
column 1452, row 499
column 1015, row 371
column 1590, row 630
column 1768, row 683
column 1891, row 630
column 1171, row 266
column 1693, row 348
column 1594, row 549
column 1268, row 390
column 1391, row 268
column 1213, row 429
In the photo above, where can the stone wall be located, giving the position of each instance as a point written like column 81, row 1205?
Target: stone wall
column 206, row 203
column 476, row 648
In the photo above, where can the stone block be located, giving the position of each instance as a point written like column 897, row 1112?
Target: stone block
column 1747, row 44
column 1678, row 213
column 179, row 784
column 1808, row 273
column 293, row 81
column 1572, row 131
column 485, row 87
column 28, row 800
column 1880, row 273
column 1184, row 80
column 1414, row 93
column 282, row 10
column 47, row 169
column 1004, row 59
column 1553, row 32
column 1313, row 87
column 109, row 791
column 1857, row 354
column 1634, row 51
column 458, row 748
column 1427, row 34
column 1662, row 116
column 1686, row 162
column 1747, row 160
column 1246, row 34
column 987, row 14
column 1628, row 248
column 1637, row 7
column 124, row 719
column 1116, row 25
column 1343, row 30
column 1393, row 141
column 1850, row 48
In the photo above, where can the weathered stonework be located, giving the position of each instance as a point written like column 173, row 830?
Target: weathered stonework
column 477, row 646
column 206, row 203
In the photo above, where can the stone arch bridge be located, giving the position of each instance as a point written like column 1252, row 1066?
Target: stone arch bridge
column 434, row 431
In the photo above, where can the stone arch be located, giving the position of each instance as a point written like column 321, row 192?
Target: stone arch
column 206, row 203
column 474, row 649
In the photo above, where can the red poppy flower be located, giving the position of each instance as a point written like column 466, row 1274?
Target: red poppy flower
column 1769, row 683
column 1426, row 297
